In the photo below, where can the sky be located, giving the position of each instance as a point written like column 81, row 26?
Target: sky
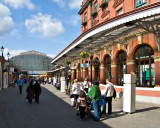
column 47, row 26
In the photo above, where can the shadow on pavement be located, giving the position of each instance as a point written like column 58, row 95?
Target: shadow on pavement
column 146, row 109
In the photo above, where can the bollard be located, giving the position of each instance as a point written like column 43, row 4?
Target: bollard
column 129, row 93
column 63, row 84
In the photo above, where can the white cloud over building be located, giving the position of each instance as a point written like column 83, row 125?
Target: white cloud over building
column 6, row 22
column 45, row 24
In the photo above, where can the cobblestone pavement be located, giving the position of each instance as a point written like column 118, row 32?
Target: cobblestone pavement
column 55, row 111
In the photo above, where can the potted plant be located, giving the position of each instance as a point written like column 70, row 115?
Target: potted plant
column 84, row 55
column 67, row 62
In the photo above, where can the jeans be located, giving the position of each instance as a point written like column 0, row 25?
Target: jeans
column 75, row 99
column 20, row 89
column 104, row 106
column 95, row 107
column 109, row 101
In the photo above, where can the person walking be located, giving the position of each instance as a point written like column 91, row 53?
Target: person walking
column 30, row 92
column 86, row 85
column 37, row 91
column 109, row 89
column 95, row 95
column 75, row 92
column 20, row 84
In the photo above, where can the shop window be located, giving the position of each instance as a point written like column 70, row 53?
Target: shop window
column 139, row 3
column 120, row 11
column 145, row 66
column 121, row 67
column 107, row 64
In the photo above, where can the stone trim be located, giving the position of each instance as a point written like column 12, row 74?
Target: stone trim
column 113, row 65
column 130, row 62
column 156, row 59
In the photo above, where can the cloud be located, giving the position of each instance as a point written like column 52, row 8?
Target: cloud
column 75, row 4
column 72, row 4
column 61, row 3
column 44, row 24
column 51, row 55
column 6, row 21
column 17, row 4
column 12, row 52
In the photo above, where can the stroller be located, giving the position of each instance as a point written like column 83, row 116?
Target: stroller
column 89, row 107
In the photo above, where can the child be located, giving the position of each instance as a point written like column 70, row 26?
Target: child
column 82, row 104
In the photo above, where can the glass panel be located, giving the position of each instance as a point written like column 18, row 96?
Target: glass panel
column 95, row 6
column 86, row 16
column 140, row 2
column 120, row 11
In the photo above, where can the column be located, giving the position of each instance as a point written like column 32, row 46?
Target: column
column 93, row 74
column 114, row 73
column 102, row 74
column 72, row 74
column 131, row 66
column 78, row 75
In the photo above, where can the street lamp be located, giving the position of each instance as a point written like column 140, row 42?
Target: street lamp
column 8, row 55
column 2, row 50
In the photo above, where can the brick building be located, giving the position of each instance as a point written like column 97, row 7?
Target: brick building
column 121, row 36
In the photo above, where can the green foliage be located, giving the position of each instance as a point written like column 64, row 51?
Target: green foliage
column 84, row 55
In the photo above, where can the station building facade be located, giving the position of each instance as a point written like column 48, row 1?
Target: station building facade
column 121, row 37
column 32, row 62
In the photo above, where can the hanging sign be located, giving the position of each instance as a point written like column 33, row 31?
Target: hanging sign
column 84, row 65
column 73, row 67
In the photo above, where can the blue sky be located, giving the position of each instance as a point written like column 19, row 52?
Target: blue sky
column 47, row 26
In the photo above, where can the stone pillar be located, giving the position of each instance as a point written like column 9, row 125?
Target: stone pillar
column 102, row 75
column 63, row 84
column 129, row 93
column 114, row 73
column 157, row 70
column 131, row 66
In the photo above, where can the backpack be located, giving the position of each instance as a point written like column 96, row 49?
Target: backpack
column 114, row 93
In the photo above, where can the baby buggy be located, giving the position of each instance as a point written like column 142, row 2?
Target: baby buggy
column 89, row 107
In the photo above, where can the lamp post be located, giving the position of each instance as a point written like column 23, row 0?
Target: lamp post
column 2, row 50
column 91, row 58
column 8, row 56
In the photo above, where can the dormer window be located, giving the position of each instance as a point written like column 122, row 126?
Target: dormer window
column 94, row 13
column 139, row 3
column 120, row 11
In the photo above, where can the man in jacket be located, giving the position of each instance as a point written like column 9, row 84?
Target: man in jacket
column 95, row 95
column 20, row 84
column 108, row 96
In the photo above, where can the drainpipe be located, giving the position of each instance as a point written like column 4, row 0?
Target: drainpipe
column 90, row 3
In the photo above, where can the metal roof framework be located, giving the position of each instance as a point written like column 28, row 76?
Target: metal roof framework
column 114, row 32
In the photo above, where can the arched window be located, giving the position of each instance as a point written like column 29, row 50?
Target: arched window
column 121, row 67
column 107, row 65
column 145, row 66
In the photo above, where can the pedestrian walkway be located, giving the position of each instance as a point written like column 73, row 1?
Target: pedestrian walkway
column 55, row 111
